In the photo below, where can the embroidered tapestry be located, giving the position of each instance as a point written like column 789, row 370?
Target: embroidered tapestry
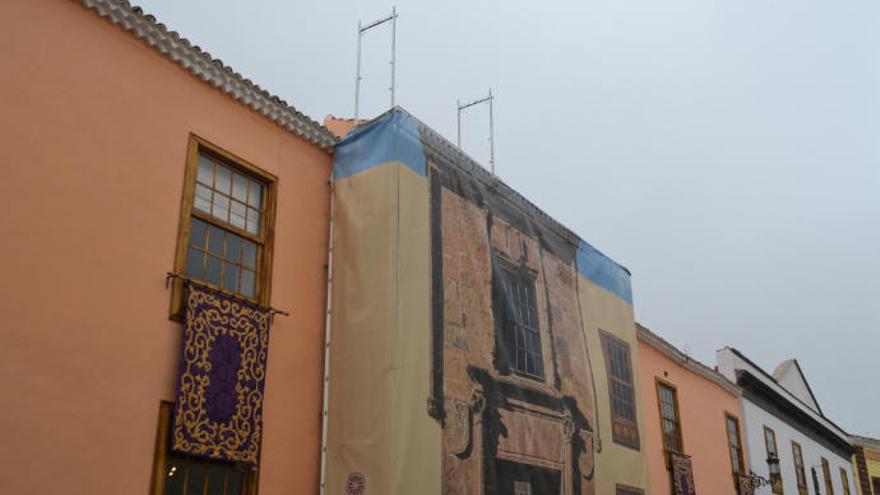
column 219, row 409
column 682, row 475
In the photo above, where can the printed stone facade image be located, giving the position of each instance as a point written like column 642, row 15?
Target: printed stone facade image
column 518, row 408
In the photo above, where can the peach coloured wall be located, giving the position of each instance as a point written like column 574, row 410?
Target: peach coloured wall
column 702, row 404
column 93, row 131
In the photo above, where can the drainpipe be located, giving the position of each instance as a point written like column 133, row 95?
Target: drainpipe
column 327, row 326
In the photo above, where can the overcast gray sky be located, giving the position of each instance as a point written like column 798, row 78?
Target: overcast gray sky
column 726, row 152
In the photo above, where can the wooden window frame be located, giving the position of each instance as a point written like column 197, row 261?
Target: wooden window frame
column 620, row 489
column 739, row 448
column 266, row 239
column 659, row 383
column 775, row 478
column 797, row 454
column 250, row 483
column 844, row 481
column 826, row 473
column 521, row 274
column 620, row 422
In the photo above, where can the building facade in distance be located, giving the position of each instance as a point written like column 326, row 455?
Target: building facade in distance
column 789, row 440
column 690, row 410
column 866, row 459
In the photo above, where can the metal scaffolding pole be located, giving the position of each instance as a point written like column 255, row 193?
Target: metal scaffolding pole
column 490, row 99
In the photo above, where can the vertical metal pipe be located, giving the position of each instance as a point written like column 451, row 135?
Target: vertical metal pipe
column 357, row 80
column 328, row 321
column 393, row 50
column 491, row 132
column 458, row 106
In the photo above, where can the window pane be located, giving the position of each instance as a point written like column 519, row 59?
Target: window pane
column 237, row 214
column 223, row 180
column 255, row 195
column 233, row 483
column 196, row 480
column 215, row 241
column 174, row 477
column 253, row 221
column 216, row 477
column 212, row 270
column 230, row 277
column 233, row 247
column 197, row 232
column 202, row 200
column 247, row 283
column 221, row 207
column 206, row 170
column 250, row 254
column 194, row 261
column 239, row 187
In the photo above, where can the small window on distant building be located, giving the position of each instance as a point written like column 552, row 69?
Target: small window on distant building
column 799, row 472
column 844, row 481
column 618, row 366
column 670, row 420
column 734, row 445
column 773, row 453
column 225, row 227
column 826, row 473
column 519, row 326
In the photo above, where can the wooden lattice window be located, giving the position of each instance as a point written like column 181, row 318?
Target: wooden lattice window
column 774, row 467
column 799, row 471
column 844, row 481
column 621, row 390
column 734, row 447
column 178, row 475
column 670, row 418
column 227, row 216
column 520, row 328
column 826, row 473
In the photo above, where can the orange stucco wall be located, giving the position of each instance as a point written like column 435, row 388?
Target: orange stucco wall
column 702, row 404
column 94, row 126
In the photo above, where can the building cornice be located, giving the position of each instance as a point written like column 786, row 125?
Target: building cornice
column 210, row 70
column 771, row 400
column 670, row 351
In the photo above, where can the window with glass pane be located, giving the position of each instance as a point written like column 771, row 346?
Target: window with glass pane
column 191, row 477
column 799, row 471
column 734, row 445
column 774, row 467
column 178, row 475
column 670, row 421
column 826, row 472
column 226, row 237
column 521, row 333
column 844, row 481
column 624, row 429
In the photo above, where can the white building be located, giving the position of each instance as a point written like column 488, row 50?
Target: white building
column 781, row 418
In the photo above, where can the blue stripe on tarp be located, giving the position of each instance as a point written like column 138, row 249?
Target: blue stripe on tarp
column 603, row 271
column 392, row 137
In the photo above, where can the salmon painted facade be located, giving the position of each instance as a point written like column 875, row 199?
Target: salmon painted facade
column 690, row 410
column 129, row 153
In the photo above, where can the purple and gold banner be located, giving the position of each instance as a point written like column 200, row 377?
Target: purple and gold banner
column 218, row 413
column 682, row 475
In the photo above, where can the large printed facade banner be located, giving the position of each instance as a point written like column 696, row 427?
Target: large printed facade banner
column 219, row 408
column 479, row 346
